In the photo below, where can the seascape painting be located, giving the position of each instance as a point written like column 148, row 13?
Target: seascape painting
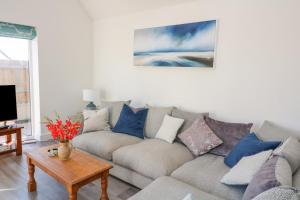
column 183, row 45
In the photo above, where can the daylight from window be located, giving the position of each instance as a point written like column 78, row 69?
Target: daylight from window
column 14, row 70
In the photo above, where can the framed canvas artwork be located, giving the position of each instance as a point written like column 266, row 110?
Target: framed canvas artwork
column 182, row 45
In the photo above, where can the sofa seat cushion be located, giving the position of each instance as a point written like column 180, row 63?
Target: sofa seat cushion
column 152, row 157
column 168, row 188
column 103, row 143
column 205, row 173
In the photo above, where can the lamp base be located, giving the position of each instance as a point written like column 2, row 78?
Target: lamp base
column 91, row 106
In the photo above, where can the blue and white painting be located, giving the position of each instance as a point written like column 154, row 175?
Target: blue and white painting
column 183, row 45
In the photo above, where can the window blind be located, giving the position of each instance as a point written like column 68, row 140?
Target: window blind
column 17, row 31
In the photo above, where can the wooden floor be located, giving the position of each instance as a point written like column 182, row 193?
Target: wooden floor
column 13, row 183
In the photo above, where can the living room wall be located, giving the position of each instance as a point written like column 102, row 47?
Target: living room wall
column 257, row 64
column 64, row 47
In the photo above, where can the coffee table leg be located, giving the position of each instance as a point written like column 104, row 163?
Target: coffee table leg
column 104, row 176
column 72, row 193
column 31, row 182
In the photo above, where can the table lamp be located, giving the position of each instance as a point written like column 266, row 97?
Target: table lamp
column 90, row 96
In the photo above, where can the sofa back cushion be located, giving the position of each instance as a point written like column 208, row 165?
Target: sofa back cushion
column 271, row 132
column 189, row 118
column 114, row 109
column 154, row 119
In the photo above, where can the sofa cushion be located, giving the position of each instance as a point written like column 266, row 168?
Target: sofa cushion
column 296, row 179
column 154, row 119
column 152, row 157
column 205, row 173
column 95, row 120
column 248, row 146
column 290, row 150
column 169, row 128
column 189, row 118
column 103, row 143
column 114, row 108
column 199, row 138
column 271, row 132
column 131, row 121
column 229, row 133
column 279, row 193
column 168, row 188
column 275, row 172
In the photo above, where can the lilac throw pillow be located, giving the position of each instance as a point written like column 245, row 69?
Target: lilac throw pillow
column 199, row 138
column 229, row 133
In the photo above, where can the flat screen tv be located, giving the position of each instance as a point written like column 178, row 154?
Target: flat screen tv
column 8, row 103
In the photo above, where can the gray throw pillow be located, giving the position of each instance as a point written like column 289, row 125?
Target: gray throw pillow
column 154, row 119
column 274, row 172
column 114, row 109
column 279, row 193
column 189, row 117
column 229, row 133
column 96, row 120
column 290, row 150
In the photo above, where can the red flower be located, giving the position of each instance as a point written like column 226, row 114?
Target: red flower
column 63, row 131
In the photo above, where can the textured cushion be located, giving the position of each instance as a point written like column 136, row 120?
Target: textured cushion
column 275, row 172
column 96, row 120
column 167, row 188
column 189, row 117
column 248, row 146
column 199, row 138
column 154, row 119
column 244, row 170
column 131, row 122
column 271, row 132
column 114, row 108
column 296, row 179
column 279, row 193
column 169, row 128
column 152, row 157
column 229, row 133
column 290, row 150
column 103, row 143
column 205, row 173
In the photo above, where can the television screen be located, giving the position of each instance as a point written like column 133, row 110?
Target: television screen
column 8, row 104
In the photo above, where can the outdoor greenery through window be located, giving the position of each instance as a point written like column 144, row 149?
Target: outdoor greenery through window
column 14, row 70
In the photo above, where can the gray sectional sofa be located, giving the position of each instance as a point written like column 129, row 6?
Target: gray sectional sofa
column 162, row 170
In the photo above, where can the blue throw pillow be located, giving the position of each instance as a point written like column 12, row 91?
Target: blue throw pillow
column 248, row 146
column 130, row 122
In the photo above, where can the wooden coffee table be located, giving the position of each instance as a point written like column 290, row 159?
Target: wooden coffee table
column 79, row 170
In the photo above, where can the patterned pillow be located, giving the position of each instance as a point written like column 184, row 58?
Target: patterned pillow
column 199, row 138
column 274, row 172
column 279, row 193
column 229, row 133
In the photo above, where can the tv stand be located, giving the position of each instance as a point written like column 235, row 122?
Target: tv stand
column 8, row 132
column 5, row 126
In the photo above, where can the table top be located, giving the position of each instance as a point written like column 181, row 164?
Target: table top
column 79, row 167
column 11, row 129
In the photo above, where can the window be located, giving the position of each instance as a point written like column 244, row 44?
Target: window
column 14, row 70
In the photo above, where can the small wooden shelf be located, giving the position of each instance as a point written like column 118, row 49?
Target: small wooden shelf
column 17, row 147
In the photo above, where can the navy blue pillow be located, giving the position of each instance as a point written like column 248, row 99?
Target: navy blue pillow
column 249, row 145
column 130, row 122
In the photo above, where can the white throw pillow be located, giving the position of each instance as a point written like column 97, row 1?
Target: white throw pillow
column 168, row 129
column 245, row 169
column 95, row 120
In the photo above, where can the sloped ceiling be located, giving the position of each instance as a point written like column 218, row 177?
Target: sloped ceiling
column 99, row 9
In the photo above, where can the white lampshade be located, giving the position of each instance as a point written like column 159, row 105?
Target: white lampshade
column 90, row 95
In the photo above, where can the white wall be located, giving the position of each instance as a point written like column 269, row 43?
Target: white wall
column 257, row 70
column 64, row 48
